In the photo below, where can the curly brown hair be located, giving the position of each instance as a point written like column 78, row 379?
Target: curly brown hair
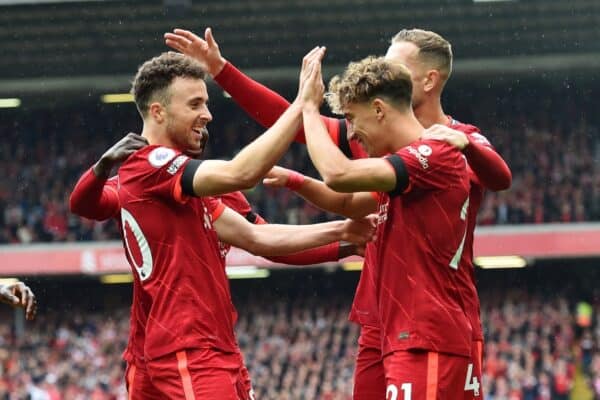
column 371, row 77
column 153, row 78
column 433, row 48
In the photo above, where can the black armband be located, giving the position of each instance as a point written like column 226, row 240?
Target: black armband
column 343, row 143
column 401, row 175
column 251, row 217
column 187, row 178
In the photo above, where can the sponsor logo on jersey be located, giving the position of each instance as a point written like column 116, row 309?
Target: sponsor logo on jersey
column 160, row 156
column 421, row 157
column 176, row 164
column 383, row 213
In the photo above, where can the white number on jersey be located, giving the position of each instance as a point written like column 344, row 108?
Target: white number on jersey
column 471, row 383
column 145, row 269
column 457, row 256
column 391, row 392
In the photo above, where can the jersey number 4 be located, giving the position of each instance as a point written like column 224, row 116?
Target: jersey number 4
column 127, row 220
column 458, row 255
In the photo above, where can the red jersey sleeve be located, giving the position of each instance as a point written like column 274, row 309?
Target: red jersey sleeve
column 265, row 106
column 429, row 164
column 214, row 206
column 237, row 202
column 492, row 171
column 159, row 170
column 95, row 198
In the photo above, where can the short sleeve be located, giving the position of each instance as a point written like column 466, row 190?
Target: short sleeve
column 432, row 164
column 214, row 206
column 162, row 171
column 237, row 202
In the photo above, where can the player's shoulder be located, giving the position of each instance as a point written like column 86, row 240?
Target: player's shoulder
column 463, row 127
column 157, row 157
column 430, row 153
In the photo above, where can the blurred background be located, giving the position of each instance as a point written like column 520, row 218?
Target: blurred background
column 525, row 72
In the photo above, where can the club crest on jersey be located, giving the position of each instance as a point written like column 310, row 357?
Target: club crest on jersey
column 424, row 150
column 160, row 156
column 176, row 164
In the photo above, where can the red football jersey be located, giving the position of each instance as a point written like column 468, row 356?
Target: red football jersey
column 173, row 250
column 467, row 282
column 420, row 237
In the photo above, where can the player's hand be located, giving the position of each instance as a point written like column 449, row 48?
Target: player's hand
column 277, row 177
column 360, row 231
column 441, row 132
column 119, row 153
column 205, row 51
column 19, row 295
column 308, row 64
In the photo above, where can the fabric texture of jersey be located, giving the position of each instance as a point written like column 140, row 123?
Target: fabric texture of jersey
column 420, row 236
column 173, row 250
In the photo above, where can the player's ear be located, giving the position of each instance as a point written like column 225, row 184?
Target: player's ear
column 432, row 80
column 157, row 112
column 379, row 107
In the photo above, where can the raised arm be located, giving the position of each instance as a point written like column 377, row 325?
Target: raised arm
column 338, row 172
column 491, row 170
column 245, row 170
column 274, row 239
column 350, row 205
column 262, row 104
column 94, row 196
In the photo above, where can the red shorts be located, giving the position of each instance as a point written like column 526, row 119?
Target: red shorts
column 369, row 376
column 138, row 384
column 472, row 387
column 198, row 374
column 246, row 384
column 423, row 375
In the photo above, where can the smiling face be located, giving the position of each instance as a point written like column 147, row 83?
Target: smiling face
column 187, row 115
column 365, row 127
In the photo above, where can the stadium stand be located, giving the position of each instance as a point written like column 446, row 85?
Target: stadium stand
column 556, row 177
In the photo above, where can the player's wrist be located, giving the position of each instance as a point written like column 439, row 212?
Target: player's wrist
column 102, row 168
column 215, row 68
column 295, row 180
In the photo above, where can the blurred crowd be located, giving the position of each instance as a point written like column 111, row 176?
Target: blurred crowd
column 555, row 164
column 303, row 347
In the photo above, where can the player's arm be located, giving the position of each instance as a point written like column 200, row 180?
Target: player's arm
column 245, row 170
column 329, row 252
column 350, row 205
column 275, row 239
column 93, row 196
column 19, row 295
column 490, row 168
column 264, row 105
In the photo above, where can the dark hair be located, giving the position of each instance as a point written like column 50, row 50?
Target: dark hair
column 154, row 77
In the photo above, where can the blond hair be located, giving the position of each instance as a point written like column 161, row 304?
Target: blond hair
column 433, row 48
column 371, row 77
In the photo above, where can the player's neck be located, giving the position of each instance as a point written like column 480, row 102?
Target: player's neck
column 430, row 112
column 407, row 129
column 156, row 137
